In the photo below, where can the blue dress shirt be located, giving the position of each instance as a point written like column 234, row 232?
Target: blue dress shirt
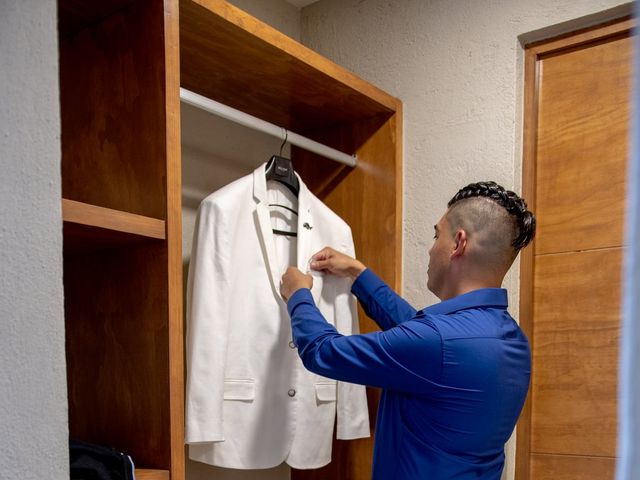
column 454, row 377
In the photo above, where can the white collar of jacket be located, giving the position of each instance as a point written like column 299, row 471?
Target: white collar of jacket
column 305, row 228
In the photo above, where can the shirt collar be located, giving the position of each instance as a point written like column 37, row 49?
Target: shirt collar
column 484, row 297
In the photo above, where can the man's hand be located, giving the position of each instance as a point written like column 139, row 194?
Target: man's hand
column 294, row 280
column 329, row 260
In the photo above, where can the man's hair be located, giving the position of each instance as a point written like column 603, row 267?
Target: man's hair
column 474, row 208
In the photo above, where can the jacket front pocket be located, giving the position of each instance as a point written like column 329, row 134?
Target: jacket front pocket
column 239, row 389
column 326, row 392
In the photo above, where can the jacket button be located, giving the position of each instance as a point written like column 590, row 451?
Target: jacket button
column 291, row 393
column 291, row 344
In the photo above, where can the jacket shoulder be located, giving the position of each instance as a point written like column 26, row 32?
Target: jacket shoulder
column 230, row 194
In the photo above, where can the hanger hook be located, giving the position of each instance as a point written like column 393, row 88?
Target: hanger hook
column 286, row 136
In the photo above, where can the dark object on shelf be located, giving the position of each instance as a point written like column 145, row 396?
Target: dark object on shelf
column 96, row 462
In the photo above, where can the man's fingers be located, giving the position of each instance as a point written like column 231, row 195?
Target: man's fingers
column 293, row 280
column 324, row 254
column 320, row 264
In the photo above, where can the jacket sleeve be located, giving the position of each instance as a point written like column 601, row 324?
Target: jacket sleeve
column 405, row 358
column 352, row 409
column 207, row 293
column 380, row 302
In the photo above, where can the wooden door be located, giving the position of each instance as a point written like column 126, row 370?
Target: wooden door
column 576, row 134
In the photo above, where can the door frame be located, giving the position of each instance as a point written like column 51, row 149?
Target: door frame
column 533, row 52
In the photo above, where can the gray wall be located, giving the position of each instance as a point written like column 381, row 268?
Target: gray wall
column 33, row 404
column 279, row 14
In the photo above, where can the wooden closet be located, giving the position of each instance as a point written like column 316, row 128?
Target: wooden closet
column 121, row 65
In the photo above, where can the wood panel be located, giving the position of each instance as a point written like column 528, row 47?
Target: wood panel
column 233, row 58
column 83, row 240
column 73, row 15
column 89, row 229
column 117, row 351
column 174, row 237
column 576, row 298
column 570, row 467
column 113, row 112
column 584, row 36
column 142, row 474
column 109, row 219
column 582, row 146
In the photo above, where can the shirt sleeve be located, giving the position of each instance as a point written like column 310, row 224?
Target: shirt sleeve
column 405, row 358
column 380, row 302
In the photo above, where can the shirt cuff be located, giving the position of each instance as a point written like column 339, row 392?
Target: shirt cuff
column 302, row 295
column 365, row 283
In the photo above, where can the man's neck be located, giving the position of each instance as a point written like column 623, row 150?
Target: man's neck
column 469, row 285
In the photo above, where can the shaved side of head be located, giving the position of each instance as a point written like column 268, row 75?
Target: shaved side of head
column 497, row 222
column 490, row 231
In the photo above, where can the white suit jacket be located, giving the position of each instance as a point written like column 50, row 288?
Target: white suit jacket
column 250, row 402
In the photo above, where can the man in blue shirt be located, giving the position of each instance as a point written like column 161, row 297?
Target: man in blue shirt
column 454, row 375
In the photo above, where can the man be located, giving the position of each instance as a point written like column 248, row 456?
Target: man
column 454, row 375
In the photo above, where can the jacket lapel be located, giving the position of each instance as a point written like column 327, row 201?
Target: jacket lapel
column 263, row 223
column 305, row 229
column 307, row 232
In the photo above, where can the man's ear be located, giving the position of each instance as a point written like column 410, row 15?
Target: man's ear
column 460, row 243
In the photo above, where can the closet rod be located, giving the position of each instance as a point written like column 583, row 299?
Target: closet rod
column 236, row 116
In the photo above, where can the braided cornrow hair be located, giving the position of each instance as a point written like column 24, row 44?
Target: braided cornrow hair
column 526, row 221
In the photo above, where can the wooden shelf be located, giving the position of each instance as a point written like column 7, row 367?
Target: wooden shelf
column 233, row 58
column 89, row 227
column 107, row 218
column 145, row 474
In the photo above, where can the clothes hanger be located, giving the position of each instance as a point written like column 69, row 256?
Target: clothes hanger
column 280, row 169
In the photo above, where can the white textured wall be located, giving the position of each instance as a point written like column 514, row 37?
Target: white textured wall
column 33, row 403
column 280, row 14
column 457, row 66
